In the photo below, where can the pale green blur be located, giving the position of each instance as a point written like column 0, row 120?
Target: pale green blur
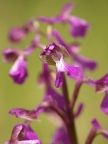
column 28, row 95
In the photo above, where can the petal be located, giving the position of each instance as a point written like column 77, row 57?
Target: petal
column 51, row 20
column 66, row 10
column 85, row 62
column 104, row 104
column 59, row 80
column 16, row 133
column 78, row 27
column 61, row 137
column 30, row 134
column 23, row 113
column 74, row 72
column 18, row 71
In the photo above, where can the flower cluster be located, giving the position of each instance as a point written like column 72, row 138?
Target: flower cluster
column 57, row 105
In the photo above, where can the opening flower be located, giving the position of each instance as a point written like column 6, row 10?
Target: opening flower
column 54, row 55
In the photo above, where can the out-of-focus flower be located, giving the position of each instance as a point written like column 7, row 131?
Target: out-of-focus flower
column 19, row 56
column 62, row 17
column 78, row 27
column 54, row 55
column 18, row 71
column 17, row 34
column 23, row 134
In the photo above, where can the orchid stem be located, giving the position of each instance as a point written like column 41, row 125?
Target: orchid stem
column 71, row 124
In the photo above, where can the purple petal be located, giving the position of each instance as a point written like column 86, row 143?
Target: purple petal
column 17, row 34
column 104, row 104
column 66, row 10
column 86, row 63
column 23, row 134
column 102, row 84
column 18, row 71
column 78, row 27
column 99, row 128
column 51, row 20
column 59, row 80
column 74, row 72
column 62, row 17
column 23, row 113
column 30, row 134
column 61, row 137
column 16, row 133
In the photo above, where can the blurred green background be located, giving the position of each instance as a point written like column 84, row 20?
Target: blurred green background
column 95, row 46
